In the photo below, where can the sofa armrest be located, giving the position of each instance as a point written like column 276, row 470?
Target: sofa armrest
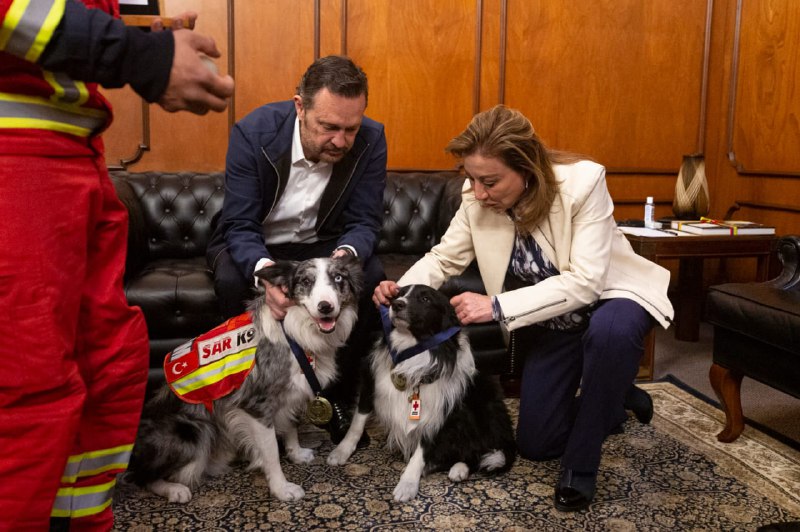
column 788, row 254
column 138, row 251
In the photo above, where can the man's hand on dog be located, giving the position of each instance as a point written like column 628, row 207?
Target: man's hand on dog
column 470, row 307
column 277, row 301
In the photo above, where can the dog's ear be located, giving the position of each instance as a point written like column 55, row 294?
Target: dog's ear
column 349, row 260
column 355, row 274
column 278, row 274
column 449, row 316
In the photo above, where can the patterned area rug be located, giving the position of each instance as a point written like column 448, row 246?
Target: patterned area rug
column 670, row 475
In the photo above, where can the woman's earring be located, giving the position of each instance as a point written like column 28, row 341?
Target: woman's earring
column 526, row 184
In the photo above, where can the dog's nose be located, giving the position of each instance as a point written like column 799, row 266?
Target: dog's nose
column 398, row 304
column 324, row 307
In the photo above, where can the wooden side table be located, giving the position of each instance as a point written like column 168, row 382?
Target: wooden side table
column 691, row 251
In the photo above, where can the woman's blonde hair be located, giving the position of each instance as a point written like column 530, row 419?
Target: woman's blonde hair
column 505, row 134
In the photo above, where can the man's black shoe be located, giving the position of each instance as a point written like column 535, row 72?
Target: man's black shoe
column 640, row 403
column 338, row 425
column 575, row 491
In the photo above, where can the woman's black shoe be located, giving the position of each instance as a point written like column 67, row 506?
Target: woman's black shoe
column 640, row 403
column 575, row 491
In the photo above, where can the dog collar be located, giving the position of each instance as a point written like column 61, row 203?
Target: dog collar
column 425, row 345
column 320, row 410
column 305, row 364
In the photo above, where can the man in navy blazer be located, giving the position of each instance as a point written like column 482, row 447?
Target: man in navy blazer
column 304, row 178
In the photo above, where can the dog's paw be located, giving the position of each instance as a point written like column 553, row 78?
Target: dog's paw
column 287, row 492
column 493, row 460
column 172, row 491
column 405, row 490
column 300, row 455
column 340, row 455
column 459, row 472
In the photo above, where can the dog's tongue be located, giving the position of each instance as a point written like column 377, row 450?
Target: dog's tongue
column 326, row 324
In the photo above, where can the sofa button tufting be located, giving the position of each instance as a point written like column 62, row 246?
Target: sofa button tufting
column 202, row 211
column 167, row 210
column 177, row 312
column 186, row 237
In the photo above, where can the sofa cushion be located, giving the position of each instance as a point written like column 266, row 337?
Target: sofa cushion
column 177, row 298
column 178, row 209
column 417, row 208
column 759, row 311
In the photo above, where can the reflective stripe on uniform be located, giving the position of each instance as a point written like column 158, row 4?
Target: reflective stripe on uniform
column 80, row 501
column 96, row 462
column 18, row 111
column 29, row 25
column 66, row 89
column 215, row 371
column 83, row 501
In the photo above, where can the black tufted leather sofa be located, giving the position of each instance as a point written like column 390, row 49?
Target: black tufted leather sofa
column 170, row 226
column 756, row 334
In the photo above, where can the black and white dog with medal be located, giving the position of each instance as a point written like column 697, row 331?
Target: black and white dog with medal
column 437, row 409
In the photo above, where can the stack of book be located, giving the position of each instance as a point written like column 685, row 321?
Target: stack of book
column 707, row 226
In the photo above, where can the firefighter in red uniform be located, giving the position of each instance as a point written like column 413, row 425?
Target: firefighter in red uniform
column 73, row 354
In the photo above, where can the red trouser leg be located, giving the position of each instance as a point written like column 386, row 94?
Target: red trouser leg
column 75, row 355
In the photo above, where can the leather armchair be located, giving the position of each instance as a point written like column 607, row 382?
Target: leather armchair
column 756, row 334
column 170, row 227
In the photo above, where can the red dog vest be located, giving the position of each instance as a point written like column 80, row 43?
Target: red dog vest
column 214, row 364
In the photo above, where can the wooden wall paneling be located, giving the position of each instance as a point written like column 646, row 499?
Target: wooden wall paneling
column 175, row 144
column 765, row 122
column 629, row 192
column 145, row 137
column 770, row 199
column 274, row 46
column 419, row 56
column 333, row 27
column 492, row 52
column 620, row 80
column 129, row 133
column 718, row 170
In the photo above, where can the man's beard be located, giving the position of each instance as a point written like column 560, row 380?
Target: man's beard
column 331, row 154
column 327, row 153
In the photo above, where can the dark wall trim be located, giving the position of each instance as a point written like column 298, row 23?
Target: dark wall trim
column 501, row 89
column 143, row 146
column 476, row 82
column 701, row 133
column 316, row 29
column 231, row 64
column 343, row 43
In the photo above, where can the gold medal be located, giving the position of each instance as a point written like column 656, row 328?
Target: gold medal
column 319, row 411
column 399, row 381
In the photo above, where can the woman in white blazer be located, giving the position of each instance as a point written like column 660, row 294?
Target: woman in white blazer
column 562, row 278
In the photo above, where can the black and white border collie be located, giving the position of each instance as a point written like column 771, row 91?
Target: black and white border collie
column 179, row 442
column 447, row 416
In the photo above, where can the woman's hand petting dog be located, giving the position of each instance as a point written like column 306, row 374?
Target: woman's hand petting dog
column 385, row 292
column 472, row 308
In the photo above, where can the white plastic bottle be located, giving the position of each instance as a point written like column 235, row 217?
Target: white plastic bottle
column 649, row 210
